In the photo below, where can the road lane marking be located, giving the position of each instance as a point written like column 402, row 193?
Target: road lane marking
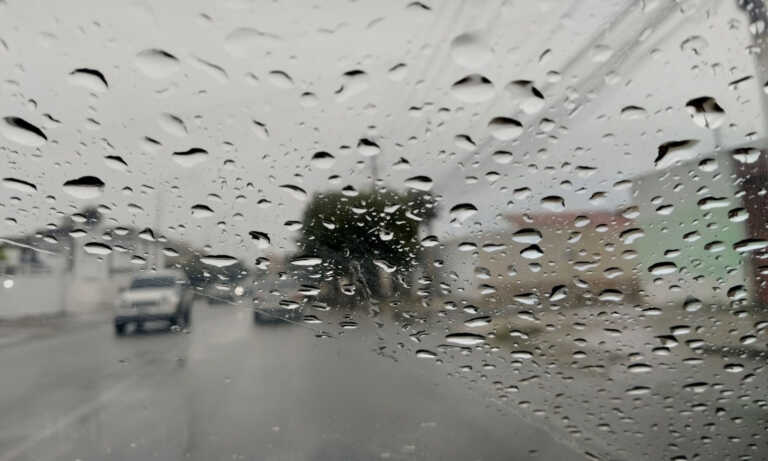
column 69, row 419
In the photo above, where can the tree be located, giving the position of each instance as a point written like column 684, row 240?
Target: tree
column 359, row 236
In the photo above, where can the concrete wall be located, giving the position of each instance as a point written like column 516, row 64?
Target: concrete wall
column 49, row 294
column 33, row 295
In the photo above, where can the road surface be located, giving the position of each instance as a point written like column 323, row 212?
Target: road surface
column 232, row 390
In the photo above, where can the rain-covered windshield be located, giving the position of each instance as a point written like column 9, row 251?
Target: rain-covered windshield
column 406, row 230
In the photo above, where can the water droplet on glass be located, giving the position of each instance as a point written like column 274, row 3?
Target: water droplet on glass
column 201, row 211
column 90, row 79
column 505, row 128
column 116, row 162
column 663, row 268
column 632, row 113
column 425, row 354
column 554, row 203
column 673, row 152
column 462, row 211
column 84, row 187
column 322, row 160
column 218, row 260
column 746, row 154
column 97, row 248
column 473, row 88
column 470, row 50
column 368, row 148
column 156, row 63
column 280, row 79
column 353, row 83
column 525, row 96
column 476, row 322
column 296, row 192
column 19, row 185
column 22, row 132
column 306, row 261
column 465, row 339
column 706, row 112
column 190, row 158
column 173, row 124
column 747, row 245
column 502, row 157
column 261, row 239
column 422, row 183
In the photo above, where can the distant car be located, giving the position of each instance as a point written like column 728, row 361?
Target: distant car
column 162, row 296
column 278, row 299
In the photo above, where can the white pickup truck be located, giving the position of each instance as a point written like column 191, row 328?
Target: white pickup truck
column 160, row 296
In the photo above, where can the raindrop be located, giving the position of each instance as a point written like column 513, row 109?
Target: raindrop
column 306, row 261
column 368, row 148
column 280, row 79
column 156, row 63
column 738, row 215
column 384, row 265
column 19, row 185
column 261, row 130
column 553, row 203
column 531, row 252
column 173, row 124
column 663, row 268
column 525, row 96
column 462, row 212
column 502, row 157
column 212, row 69
column 470, row 50
column 147, row 234
column 706, row 112
column 397, row 72
column 639, row 368
column 115, row 162
column 476, row 322
column 322, row 160
column 97, row 248
column 472, row 89
column 90, row 79
column 218, row 260
column 632, row 113
column 528, row 236
column 505, row 129
column 261, row 239
column 191, row 157
column 734, row 368
column 353, row 83
column 672, row 152
column 21, row 131
column 296, row 192
column 464, row 141
column 710, row 203
column 747, row 245
column 425, row 354
column 746, row 154
column 694, row 44
column 558, row 293
column 465, row 339
column 84, row 187
column 422, row 183
column 692, row 304
column 201, row 211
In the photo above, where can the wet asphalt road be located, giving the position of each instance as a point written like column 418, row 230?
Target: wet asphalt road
column 231, row 390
